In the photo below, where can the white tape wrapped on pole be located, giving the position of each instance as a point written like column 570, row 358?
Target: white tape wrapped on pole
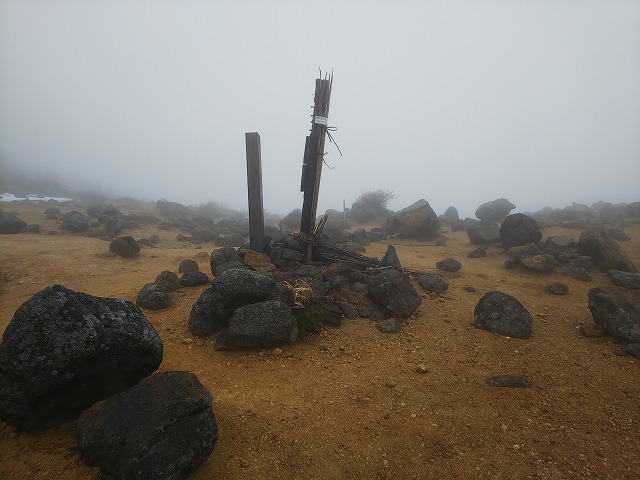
column 320, row 120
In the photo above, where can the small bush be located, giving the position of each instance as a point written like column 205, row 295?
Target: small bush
column 309, row 319
column 371, row 205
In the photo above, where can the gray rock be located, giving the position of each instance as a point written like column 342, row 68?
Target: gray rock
column 503, row 314
column 360, row 236
column 389, row 325
column 559, row 242
column 125, row 246
column 64, row 350
column 202, row 233
column 259, row 325
column 209, row 314
column 74, row 222
column 238, row 288
column 449, row 265
column 415, row 221
column 605, row 251
column 583, row 261
column 371, row 313
column 617, row 310
column 543, row 263
column 222, row 255
column 188, row 265
column 496, row 210
column 194, row 279
column 220, row 269
column 169, row 281
column 578, row 272
column 484, row 234
column 153, row 297
column 10, row 223
column 162, row 428
column 432, row 282
column 558, row 288
column 625, row 279
column 480, row 252
column 519, row 229
column 393, row 290
column 450, row 216
column 466, row 224
column 508, row 381
column 390, row 258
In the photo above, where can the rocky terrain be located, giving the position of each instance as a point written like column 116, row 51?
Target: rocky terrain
column 424, row 401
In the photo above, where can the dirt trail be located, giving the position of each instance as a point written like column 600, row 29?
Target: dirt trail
column 351, row 402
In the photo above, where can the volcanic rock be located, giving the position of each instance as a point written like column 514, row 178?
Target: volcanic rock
column 503, row 314
column 617, row 310
column 519, row 229
column 64, row 350
column 393, row 290
column 153, row 297
column 162, row 428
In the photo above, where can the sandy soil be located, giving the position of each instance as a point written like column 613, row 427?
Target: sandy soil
column 351, row 402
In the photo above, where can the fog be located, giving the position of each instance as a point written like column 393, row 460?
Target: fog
column 457, row 102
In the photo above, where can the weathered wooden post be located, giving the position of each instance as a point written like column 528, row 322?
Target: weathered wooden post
column 314, row 155
column 254, row 184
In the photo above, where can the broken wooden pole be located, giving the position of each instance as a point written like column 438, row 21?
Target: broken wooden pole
column 314, row 157
column 254, row 184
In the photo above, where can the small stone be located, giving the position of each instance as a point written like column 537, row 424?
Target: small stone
column 469, row 289
column 421, row 368
column 620, row 352
column 558, row 288
column 187, row 341
column 244, row 463
column 390, row 384
column 591, row 331
column 276, row 352
column 509, row 381
column 323, row 347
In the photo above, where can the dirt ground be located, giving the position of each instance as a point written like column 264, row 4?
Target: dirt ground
column 352, row 402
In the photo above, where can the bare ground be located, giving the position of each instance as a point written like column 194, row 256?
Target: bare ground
column 352, row 402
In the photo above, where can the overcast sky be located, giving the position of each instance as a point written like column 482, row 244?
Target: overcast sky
column 457, row 102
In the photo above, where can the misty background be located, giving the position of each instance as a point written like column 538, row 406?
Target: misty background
column 458, row 102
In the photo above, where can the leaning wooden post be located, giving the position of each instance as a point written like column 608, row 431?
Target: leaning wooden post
column 314, row 155
column 254, row 184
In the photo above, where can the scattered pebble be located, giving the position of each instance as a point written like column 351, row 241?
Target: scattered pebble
column 591, row 331
column 187, row 341
column 421, row 368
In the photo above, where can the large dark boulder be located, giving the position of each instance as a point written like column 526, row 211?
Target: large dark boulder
column 519, row 229
column 231, row 290
column 259, row 325
column 494, row 211
column 10, row 223
column 125, row 246
column 75, row 222
column 604, row 250
column 243, row 287
column 162, row 428
column 194, row 279
column 64, row 350
column 503, row 314
column 617, row 311
column 393, row 290
column 416, row 221
column 153, row 297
